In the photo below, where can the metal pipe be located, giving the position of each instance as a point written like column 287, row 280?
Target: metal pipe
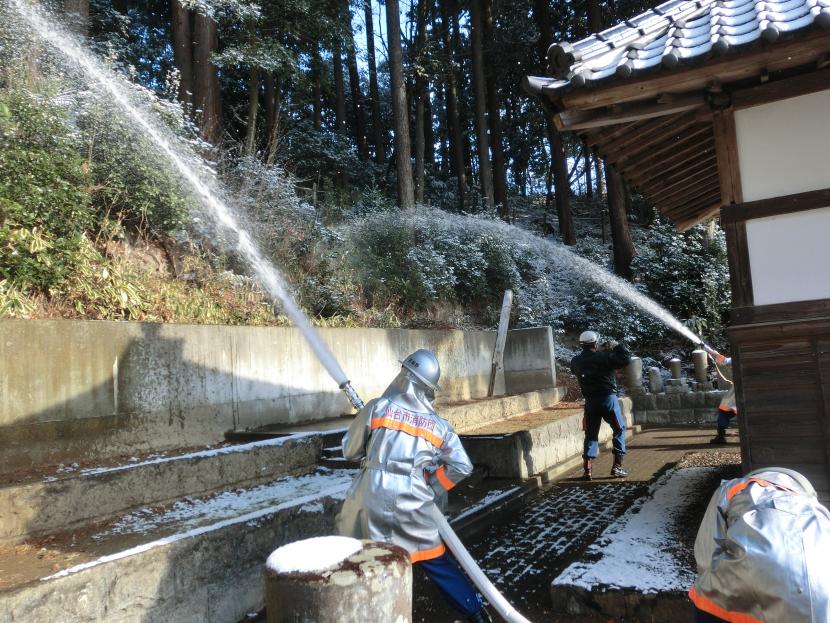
column 351, row 394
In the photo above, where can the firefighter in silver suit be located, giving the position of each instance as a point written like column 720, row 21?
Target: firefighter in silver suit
column 409, row 457
column 763, row 552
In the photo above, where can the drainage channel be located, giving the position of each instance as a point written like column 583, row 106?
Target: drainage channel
column 522, row 551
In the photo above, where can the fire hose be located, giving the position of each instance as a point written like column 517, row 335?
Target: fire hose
column 482, row 582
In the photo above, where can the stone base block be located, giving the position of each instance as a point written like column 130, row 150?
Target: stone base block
column 373, row 585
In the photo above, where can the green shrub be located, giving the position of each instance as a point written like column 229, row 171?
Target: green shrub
column 44, row 205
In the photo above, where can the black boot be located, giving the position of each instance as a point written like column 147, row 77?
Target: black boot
column 482, row 616
column 617, row 470
column 720, row 438
column 587, row 469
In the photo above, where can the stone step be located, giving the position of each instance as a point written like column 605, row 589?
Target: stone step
column 534, row 443
column 64, row 500
column 197, row 559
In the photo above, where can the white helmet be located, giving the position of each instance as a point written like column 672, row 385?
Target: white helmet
column 586, row 338
column 424, row 365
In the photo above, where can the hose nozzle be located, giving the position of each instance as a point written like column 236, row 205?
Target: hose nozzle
column 351, row 394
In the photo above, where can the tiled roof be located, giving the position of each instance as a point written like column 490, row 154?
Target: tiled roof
column 676, row 33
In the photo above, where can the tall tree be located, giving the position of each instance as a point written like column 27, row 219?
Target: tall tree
column 454, row 132
column 557, row 149
column 316, row 88
column 403, row 148
column 620, row 236
column 183, row 49
column 339, row 87
column 420, row 96
column 485, row 173
column 273, row 103
column 207, row 98
column 358, row 116
column 253, row 107
column 377, row 128
column 494, row 114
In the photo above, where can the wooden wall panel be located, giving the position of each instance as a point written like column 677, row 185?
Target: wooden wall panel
column 782, row 373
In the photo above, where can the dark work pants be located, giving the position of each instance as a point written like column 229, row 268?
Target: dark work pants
column 605, row 408
column 725, row 418
column 452, row 582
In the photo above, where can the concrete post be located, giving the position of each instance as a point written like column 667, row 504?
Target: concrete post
column 700, row 361
column 675, row 367
column 372, row 585
column 655, row 381
column 634, row 375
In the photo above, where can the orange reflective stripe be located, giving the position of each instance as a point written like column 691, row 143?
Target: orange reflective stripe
column 427, row 554
column 385, row 422
column 443, row 479
column 707, row 605
column 720, row 359
column 737, row 488
column 728, row 409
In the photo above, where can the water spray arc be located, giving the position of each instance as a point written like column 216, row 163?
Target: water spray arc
column 270, row 278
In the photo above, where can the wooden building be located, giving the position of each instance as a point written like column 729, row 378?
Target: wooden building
column 723, row 108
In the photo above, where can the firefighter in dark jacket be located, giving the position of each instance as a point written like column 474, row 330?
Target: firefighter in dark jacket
column 594, row 369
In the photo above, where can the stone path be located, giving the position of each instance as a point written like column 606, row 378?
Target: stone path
column 523, row 553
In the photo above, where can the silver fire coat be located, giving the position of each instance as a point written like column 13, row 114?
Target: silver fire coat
column 723, row 366
column 763, row 553
column 409, row 456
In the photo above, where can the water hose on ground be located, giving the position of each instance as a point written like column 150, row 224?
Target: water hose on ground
column 490, row 592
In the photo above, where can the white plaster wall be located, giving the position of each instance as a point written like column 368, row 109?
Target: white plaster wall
column 784, row 146
column 784, row 149
column 790, row 257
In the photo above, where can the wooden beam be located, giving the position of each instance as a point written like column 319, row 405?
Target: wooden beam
column 639, row 144
column 612, row 132
column 682, row 194
column 726, row 147
column 803, row 50
column 621, row 143
column 656, row 158
column 661, row 182
column 786, row 88
column 782, row 312
column 705, row 214
column 691, row 160
column 774, row 206
column 737, row 254
column 704, row 179
column 690, row 203
column 573, row 120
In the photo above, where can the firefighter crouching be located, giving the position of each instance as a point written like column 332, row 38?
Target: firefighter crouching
column 409, row 456
column 763, row 552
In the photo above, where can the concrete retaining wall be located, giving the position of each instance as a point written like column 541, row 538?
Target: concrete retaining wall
column 465, row 417
column 529, row 362
column 72, row 390
column 675, row 409
column 530, row 452
column 60, row 504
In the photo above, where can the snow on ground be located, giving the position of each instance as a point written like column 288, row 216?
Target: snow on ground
column 316, row 554
column 328, row 483
column 245, row 447
column 188, row 513
column 639, row 550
